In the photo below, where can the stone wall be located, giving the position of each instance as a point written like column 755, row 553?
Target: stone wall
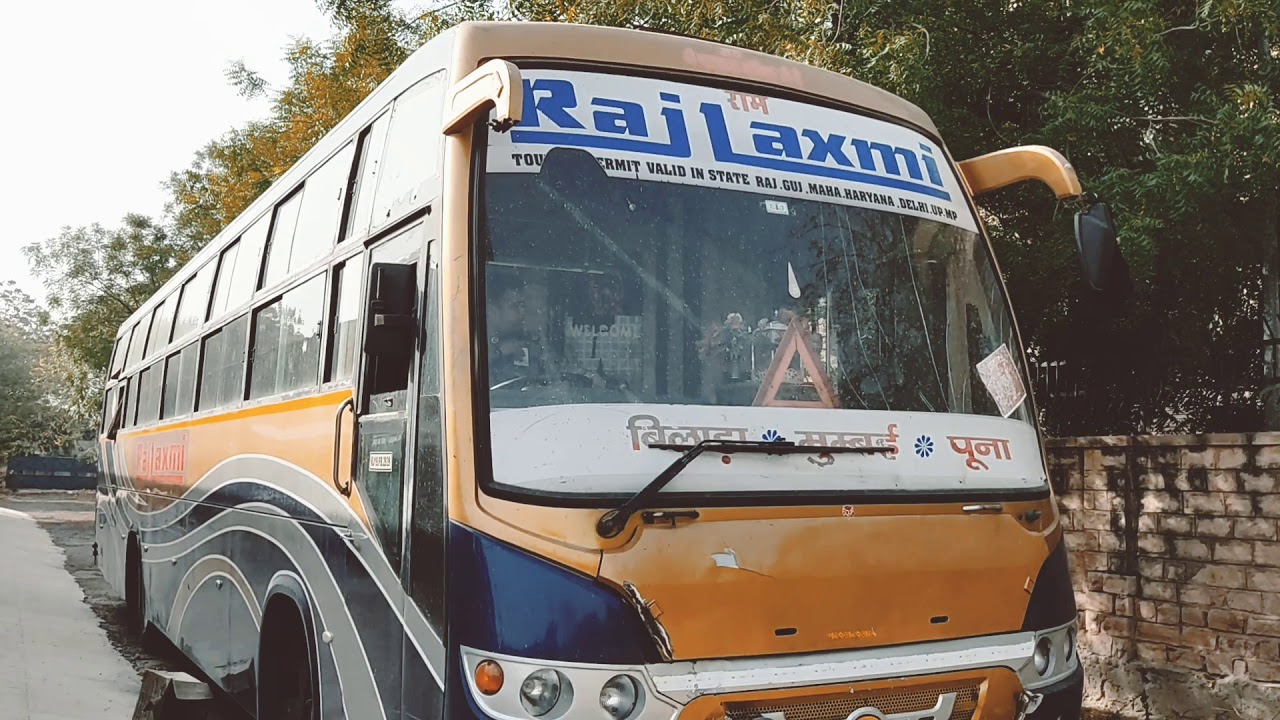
column 1175, row 553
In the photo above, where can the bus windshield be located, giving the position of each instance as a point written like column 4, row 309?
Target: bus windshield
column 698, row 298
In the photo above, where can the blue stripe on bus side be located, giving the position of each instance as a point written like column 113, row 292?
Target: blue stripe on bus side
column 392, row 654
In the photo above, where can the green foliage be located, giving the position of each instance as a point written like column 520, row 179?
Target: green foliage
column 95, row 278
column 36, row 416
column 1167, row 109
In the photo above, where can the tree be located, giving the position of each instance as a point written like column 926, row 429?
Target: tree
column 326, row 82
column 95, row 278
column 1167, row 109
column 31, row 418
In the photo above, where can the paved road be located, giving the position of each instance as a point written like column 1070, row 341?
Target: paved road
column 56, row 662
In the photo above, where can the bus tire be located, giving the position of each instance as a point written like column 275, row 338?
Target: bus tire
column 135, row 589
column 287, row 686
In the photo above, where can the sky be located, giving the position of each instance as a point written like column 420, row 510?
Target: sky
column 102, row 100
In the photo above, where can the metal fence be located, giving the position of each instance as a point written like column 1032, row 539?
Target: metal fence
column 1218, row 389
column 50, row 473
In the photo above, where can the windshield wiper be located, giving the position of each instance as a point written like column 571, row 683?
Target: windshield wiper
column 612, row 522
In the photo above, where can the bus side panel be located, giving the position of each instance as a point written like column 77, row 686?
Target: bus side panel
column 247, row 506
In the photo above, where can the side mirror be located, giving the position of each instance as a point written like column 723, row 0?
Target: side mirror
column 1103, row 264
column 390, row 324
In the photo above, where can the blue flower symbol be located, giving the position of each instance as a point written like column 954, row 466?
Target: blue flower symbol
column 772, row 436
column 924, row 446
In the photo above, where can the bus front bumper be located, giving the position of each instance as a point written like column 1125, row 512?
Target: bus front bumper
column 987, row 678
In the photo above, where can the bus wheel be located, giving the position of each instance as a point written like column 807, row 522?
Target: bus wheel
column 135, row 589
column 286, row 670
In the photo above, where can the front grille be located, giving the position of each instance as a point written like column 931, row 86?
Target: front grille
column 839, row 706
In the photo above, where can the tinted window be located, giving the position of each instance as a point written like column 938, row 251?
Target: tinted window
column 127, row 418
column 286, row 341
column 139, row 340
column 122, row 347
column 193, row 304
column 222, row 285
column 108, row 398
column 412, row 152
column 222, row 372
column 321, row 211
column 280, row 244
column 346, row 311
column 161, row 326
column 180, row 382
column 372, row 141
column 149, row 394
column 248, row 263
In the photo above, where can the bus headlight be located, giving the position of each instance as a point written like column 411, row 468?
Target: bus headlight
column 619, row 696
column 541, row 690
column 1043, row 655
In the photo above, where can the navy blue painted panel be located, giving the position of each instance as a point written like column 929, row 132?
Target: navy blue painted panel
column 509, row 601
column 381, row 632
column 40, row 472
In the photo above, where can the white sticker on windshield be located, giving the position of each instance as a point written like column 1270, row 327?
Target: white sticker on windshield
column 776, row 207
column 1000, row 376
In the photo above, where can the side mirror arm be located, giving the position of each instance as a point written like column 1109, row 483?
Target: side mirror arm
column 1002, row 168
column 495, row 84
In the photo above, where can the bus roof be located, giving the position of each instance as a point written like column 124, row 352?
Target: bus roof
column 479, row 41
column 472, row 43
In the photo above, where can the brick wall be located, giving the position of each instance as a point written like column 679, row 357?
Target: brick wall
column 1175, row 554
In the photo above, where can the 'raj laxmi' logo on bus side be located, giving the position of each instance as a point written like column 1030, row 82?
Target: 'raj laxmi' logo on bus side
column 162, row 458
column 556, row 113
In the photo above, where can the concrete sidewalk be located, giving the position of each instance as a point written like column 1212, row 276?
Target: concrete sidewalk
column 55, row 661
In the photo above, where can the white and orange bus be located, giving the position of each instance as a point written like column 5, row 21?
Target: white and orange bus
column 597, row 374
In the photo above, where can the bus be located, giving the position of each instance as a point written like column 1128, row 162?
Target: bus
column 584, row 373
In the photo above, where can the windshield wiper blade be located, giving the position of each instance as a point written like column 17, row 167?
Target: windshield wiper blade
column 611, row 523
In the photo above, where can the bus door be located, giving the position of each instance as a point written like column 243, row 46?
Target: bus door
column 383, row 412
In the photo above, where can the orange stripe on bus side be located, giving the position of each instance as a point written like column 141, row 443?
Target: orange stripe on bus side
column 302, row 403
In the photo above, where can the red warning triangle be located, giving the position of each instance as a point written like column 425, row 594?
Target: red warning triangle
column 795, row 342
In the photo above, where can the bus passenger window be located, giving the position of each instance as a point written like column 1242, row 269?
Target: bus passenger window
column 149, row 394
column 161, row 326
column 139, row 341
column 226, row 272
column 193, row 303
column 411, row 156
column 108, row 401
column 222, row 373
column 345, row 333
column 117, row 357
column 371, row 141
column 321, row 210
column 127, row 417
column 244, row 279
column 280, row 243
column 286, row 341
column 180, row 382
